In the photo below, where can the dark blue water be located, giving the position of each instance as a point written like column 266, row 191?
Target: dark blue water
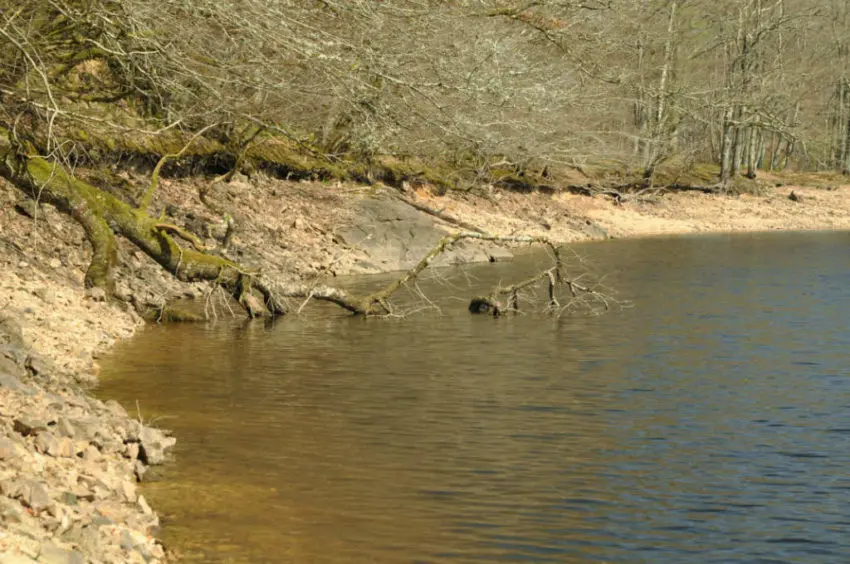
column 708, row 423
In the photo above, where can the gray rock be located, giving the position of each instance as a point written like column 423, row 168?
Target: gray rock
column 8, row 449
column 134, row 430
column 152, row 445
column 45, row 441
column 127, row 540
column 96, row 294
column 585, row 226
column 100, row 520
column 11, row 382
column 48, row 443
column 9, row 365
column 89, row 429
column 128, row 491
column 93, row 480
column 396, row 236
column 110, row 446
column 10, row 331
column 498, row 254
column 91, row 454
column 151, row 453
column 39, row 366
column 46, row 295
column 150, row 435
column 36, row 497
column 65, row 428
column 131, row 451
column 11, row 511
column 33, row 494
column 15, row 353
column 51, row 553
column 120, row 432
column 80, row 493
column 81, row 535
column 116, row 408
column 28, row 208
column 139, row 469
column 393, row 234
column 122, row 292
column 27, row 425
column 132, row 540
column 465, row 252
column 143, row 505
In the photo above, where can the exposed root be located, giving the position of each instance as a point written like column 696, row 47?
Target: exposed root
column 102, row 215
column 183, row 234
column 104, row 251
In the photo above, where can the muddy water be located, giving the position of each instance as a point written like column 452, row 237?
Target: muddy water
column 709, row 423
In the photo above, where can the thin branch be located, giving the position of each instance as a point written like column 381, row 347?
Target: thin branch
column 145, row 202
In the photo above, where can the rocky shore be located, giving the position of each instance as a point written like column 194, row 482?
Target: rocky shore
column 71, row 465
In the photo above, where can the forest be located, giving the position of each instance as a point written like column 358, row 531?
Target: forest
column 456, row 95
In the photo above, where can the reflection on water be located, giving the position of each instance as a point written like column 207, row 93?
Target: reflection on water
column 710, row 423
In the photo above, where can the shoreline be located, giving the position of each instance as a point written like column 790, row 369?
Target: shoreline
column 70, row 463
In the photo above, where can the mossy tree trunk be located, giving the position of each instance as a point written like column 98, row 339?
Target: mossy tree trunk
column 102, row 216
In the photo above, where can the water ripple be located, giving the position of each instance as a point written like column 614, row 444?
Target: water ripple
column 709, row 424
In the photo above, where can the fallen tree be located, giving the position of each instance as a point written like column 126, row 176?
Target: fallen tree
column 103, row 216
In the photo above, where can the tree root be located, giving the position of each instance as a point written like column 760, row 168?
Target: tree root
column 183, row 234
column 104, row 251
column 103, row 216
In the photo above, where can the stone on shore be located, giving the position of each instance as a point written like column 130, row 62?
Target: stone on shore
column 68, row 467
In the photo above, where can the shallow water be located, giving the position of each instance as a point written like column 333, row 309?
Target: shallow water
column 709, row 423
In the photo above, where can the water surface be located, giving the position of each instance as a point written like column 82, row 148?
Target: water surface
column 709, row 423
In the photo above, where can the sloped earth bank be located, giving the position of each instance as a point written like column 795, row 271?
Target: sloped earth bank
column 69, row 463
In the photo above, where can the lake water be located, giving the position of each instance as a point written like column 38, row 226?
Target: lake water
column 708, row 423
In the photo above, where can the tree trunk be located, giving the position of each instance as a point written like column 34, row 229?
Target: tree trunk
column 726, row 147
column 102, row 215
column 836, row 127
column 659, row 140
column 752, row 145
column 775, row 151
column 845, row 165
column 640, row 118
column 738, row 141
